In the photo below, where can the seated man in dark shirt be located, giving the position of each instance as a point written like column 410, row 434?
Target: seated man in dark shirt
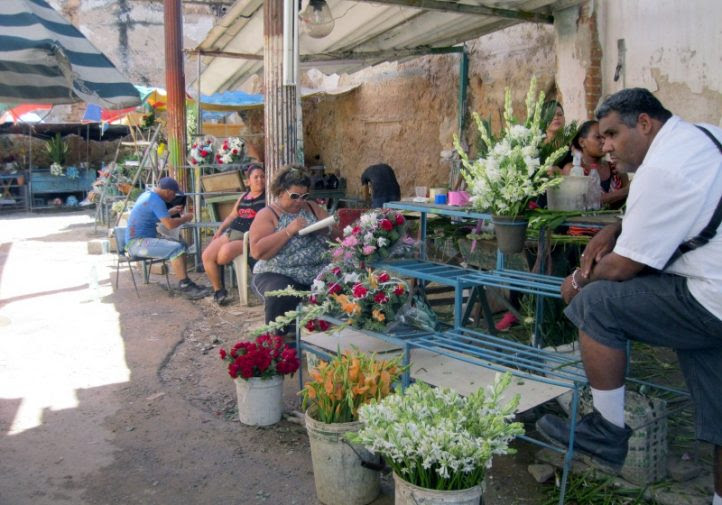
column 384, row 186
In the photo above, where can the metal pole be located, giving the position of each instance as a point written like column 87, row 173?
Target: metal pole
column 175, row 85
column 280, row 101
column 30, row 166
column 197, row 174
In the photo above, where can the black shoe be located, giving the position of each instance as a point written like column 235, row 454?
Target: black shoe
column 594, row 437
column 221, row 297
column 193, row 291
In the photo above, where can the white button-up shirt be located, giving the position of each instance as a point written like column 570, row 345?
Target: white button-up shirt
column 674, row 193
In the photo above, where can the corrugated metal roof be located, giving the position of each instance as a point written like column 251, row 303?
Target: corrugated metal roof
column 365, row 34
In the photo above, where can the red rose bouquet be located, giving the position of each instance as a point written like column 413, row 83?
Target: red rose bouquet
column 367, row 300
column 265, row 357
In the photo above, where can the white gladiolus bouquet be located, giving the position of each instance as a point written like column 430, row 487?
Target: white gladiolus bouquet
column 437, row 439
column 511, row 174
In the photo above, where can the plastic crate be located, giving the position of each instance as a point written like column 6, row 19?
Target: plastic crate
column 647, row 457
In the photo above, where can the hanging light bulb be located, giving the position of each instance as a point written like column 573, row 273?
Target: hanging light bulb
column 317, row 19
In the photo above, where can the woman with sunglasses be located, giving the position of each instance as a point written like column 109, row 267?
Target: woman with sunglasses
column 284, row 257
column 227, row 242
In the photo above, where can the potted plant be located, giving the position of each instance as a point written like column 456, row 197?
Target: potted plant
column 344, row 473
column 258, row 367
column 438, row 443
column 57, row 150
column 509, row 174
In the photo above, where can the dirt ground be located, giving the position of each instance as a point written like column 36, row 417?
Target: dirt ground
column 109, row 398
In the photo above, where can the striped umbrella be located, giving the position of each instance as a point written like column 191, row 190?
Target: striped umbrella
column 45, row 59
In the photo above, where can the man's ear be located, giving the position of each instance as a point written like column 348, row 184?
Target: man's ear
column 645, row 124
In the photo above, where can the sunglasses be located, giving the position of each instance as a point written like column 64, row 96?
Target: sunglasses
column 296, row 196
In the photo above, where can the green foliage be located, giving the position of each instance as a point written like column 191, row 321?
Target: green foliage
column 57, row 149
column 585, row 489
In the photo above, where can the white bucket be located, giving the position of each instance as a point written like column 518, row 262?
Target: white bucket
column 406, row 493
column 337, row 472
column 260, row 401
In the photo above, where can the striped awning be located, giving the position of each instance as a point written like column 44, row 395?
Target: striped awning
column 45, row 59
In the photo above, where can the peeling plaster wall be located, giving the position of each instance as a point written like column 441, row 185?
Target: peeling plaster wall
column 405, row 114
column 573, row 43
column 674, row 48
column 130, row 33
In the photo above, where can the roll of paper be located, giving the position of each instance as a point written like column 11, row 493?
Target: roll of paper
column 318, row 225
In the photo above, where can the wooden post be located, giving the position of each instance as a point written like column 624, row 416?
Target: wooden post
column 175, row 85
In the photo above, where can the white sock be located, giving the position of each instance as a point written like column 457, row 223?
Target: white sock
column 717, row 500
column 610, row 404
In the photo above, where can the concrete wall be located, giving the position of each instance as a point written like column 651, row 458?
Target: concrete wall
column 130, row 34
column 673, row 48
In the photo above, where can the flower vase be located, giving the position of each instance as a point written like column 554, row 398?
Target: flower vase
column 338, row 473
column 510, row 233
column 406, row 493
column 260, row 401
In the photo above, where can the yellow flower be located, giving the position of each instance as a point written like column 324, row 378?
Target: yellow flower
column 378, row 315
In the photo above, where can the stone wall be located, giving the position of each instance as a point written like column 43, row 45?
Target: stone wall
column 405, row 114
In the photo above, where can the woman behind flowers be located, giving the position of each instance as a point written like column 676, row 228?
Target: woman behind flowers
column 588, row 141
column 285, row 258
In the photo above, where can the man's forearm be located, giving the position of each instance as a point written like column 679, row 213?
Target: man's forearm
column 175, row 222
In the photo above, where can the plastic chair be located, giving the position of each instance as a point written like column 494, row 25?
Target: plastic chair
column 240, row 267
column 119, row 235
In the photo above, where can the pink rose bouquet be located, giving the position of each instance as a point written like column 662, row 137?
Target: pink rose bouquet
column 377, row 235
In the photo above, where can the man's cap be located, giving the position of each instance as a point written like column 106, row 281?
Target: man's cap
column 170, row 183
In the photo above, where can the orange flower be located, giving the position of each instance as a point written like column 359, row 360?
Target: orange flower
column 378, row 315
column 350, row 308
column 355, row 369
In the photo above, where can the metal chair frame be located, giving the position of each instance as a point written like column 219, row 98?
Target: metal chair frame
column 119, row 236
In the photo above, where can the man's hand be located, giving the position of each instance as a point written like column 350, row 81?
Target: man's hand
column 568, row 290
column 177, row 209
column 599, row 246
column 187, row 217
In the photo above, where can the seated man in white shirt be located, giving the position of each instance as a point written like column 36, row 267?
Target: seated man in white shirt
column 632, row 284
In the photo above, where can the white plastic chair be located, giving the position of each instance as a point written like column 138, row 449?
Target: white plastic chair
column 240, row 267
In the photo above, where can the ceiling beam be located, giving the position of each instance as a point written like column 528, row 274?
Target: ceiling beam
column 477, row 10
column 224, row 54
column 365, row 56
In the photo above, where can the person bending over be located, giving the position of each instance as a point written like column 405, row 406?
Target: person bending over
column 142, row 239
column 227, row 242
column 384, row 186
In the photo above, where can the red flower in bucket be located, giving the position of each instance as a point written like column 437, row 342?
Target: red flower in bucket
column 267, row 356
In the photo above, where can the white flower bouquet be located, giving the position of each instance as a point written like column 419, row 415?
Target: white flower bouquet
column 56, row 169
column 510, row 174
column 437, row 439
column 231, row 151
column 201, row 152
